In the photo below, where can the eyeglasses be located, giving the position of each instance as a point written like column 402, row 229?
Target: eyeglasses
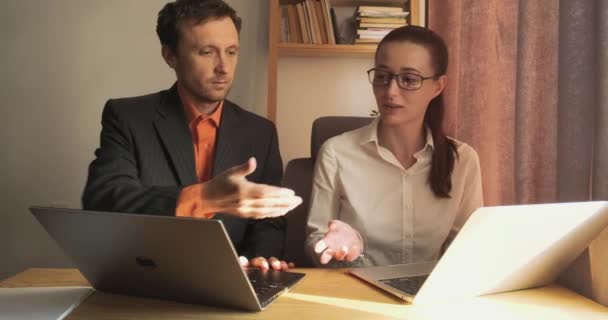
column 405, row 80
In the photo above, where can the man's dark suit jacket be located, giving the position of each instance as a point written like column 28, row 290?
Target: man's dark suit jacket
column 146, row 157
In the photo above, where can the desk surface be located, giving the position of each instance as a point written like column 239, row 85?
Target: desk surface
column 325, row 294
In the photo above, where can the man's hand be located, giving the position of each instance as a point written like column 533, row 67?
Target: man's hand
column 231, row 193
column 262, row 263
column 341, row 242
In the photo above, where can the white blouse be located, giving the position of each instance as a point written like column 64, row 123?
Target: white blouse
column 394, row 209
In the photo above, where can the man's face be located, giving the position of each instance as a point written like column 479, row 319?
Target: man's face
column 206, row 58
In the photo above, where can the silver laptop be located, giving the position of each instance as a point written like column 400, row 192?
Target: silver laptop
column 499, row 249
column 179, row 259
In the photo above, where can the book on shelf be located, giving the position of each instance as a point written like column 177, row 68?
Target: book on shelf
column 307, row 21
column 370, row 36
column 308, row 13
column 381, row 20
column 329, row 25
column 291, row 16
column 334, row 22
column 347, row 25
column 315, row 20
column 284, row 25
column 302, row 22
column 367, row 41
column 295, row 33
column 382, row 25
column 379, row 14
column 321, row 21
column 374, row 22
column 312, row 21
column 373, row 32
column 379, row 9
column 318, row 22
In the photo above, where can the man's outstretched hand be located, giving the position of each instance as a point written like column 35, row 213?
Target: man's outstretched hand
column 262, row 263
column 230, row 192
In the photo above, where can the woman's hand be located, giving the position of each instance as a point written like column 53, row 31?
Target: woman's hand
column 341, row 242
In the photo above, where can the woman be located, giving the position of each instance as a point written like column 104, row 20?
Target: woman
column 395, row 191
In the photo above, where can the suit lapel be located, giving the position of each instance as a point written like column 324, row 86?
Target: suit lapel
column 227, row 155
column 228, row 141
column 175, row 135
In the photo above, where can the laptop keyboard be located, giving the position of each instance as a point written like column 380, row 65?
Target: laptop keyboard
column 269, row 284
column 410, row 285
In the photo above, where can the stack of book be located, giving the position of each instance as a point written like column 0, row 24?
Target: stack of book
column 308, row 21
column 374, row 22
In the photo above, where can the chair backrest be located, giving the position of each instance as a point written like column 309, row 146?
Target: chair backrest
column 326, row 127
column 298, row 176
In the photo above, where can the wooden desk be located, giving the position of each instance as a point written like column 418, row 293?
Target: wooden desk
column 325, row 294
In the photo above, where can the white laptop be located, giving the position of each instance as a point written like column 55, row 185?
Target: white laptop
column 179, row 259
column 499, row 249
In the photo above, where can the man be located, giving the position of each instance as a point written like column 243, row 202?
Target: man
column 188, row 151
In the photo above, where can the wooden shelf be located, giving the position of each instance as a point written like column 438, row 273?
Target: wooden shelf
column 277, row 50
column 325, row 50
column 355, row 3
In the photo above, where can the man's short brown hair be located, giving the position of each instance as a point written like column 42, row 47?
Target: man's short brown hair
column 196, row 10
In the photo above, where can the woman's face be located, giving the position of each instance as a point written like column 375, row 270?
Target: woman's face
column 399, row 106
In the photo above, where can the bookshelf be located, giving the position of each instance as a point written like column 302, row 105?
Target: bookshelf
column 278, row 49
column 324, row 50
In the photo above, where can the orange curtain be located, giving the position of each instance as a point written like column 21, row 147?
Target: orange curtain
column 523, row 91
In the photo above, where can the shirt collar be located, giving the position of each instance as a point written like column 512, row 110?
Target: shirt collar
column 427, row 151
column 370, row 134
column 193, row 114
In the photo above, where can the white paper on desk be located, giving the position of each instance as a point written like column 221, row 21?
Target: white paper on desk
column 40, row 303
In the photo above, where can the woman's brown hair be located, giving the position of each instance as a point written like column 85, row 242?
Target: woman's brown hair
column 444, row 153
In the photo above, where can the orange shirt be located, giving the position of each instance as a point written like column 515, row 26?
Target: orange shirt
column 204, row 131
